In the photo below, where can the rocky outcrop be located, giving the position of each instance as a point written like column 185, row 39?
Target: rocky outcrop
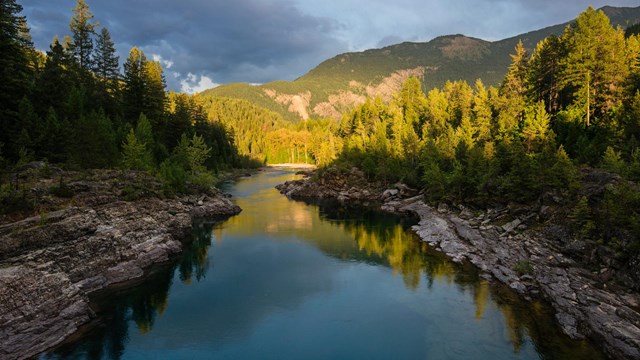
column 505, row 246
column 334, row 184
column 49, row 265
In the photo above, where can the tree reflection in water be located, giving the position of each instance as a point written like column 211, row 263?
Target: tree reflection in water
column 378, row 239
column 391, row 243
column 142, row 303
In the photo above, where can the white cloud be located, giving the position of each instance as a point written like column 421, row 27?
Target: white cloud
column 166, row 63
column 194, row 84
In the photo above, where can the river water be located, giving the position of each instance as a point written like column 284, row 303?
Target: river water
column 288, row 280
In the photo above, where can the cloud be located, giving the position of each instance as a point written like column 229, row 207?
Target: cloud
column 195, row 84
column 258, row 41
column 167, row 64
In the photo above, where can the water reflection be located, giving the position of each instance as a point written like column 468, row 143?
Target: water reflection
column 292, row 279
column 141, row 304
column 414, row 260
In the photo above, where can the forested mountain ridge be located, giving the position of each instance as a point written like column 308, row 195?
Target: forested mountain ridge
column 339, row 84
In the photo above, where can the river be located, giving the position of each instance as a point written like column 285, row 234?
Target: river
column 289, row 280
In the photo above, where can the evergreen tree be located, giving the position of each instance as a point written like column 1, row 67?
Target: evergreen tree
column 14, row 72
column 544, row 73
column 55, row 82
column 412, row 102
column 107, row 70
column 511, row 100
column 594, row 68
column 535, row 128
column 135, row 85
column 54, row 144
column 482, row 114
column 82, row 30
column 94, row 141
column 135, row 153
column 179, row 120
column 155, row 98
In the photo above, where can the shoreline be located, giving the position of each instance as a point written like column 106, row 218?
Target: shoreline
column 511, row 253
column 50, row 265
column 303, row 166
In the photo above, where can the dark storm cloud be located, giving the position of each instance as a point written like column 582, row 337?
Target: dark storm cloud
column 241, row 40
column 202, row 42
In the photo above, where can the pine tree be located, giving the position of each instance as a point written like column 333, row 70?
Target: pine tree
column 55, row 81
column 135, row 85
column 134, row 153
column 82, row 30
column 511, row 101
column 544, row 73
column 595, row 66
column 535, row 128
column 107, row 70
column 412, row 102
column 179, row 120
column 482, row 114
column 155, row 103
column 14, row 72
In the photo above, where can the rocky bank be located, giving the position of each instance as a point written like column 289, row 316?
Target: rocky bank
column 510, row 246
column 50, row 263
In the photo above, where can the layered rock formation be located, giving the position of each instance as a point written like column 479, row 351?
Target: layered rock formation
column 49, row 264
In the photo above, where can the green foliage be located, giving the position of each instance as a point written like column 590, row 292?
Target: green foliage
column 444, row 59
column 132, row 193
column 203, row 182
column 582, row 219
column 135, row 155
column 632, row 30
column 523, row 267
column 618, row 218
column 82, row 29
column 62, row 190
column 594, row 68
column 72, row 106
column 612, row 161
column 93, row 144
column 173, row 175
column 15, row 73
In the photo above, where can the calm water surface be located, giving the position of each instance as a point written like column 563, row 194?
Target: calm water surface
column 287, row 280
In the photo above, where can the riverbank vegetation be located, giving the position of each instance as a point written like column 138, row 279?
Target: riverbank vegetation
column 571, row 105
column 72, row 106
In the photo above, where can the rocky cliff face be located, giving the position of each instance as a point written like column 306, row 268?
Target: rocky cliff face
column 49, row 264
column 508, row 245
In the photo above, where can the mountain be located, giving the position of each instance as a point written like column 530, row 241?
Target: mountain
column 340, row 83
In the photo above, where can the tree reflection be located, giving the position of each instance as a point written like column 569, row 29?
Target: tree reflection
column 387, row 239
column 195, row 259
column 142, row 303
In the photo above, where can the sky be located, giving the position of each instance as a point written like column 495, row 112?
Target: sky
column 204, row 43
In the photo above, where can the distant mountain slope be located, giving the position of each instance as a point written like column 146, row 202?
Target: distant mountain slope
column 344, row 81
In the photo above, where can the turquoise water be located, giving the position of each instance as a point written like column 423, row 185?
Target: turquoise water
column 288, row 280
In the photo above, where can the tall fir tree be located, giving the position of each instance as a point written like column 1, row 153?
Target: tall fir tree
column 511, row 100
column 14, row 72
column 135, row 85
column 594, row 68
column 82, row 30
column 55, row 81
column 155, row 104
column 107, row 69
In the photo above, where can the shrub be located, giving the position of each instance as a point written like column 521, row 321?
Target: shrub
column 523, row 267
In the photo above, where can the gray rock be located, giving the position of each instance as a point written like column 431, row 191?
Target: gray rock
column 48, row 269
column 511, row 226
column 389, row 193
